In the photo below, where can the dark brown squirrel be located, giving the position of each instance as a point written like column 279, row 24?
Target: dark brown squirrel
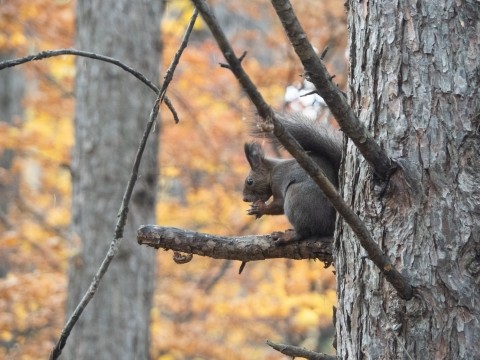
column 294, row 192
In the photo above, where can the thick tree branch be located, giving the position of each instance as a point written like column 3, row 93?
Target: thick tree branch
column 123, row 213
column 334, row 98
column 246, row 248
column 296, row 351
column 374, row 252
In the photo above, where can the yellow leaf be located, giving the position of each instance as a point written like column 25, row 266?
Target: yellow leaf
column 9, row 239
column 17, row 39
column 166, row 357
column 58, row 216
column 306, row 318
column 6, row 335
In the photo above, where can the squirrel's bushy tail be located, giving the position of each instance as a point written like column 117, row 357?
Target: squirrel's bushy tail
column 311, row 135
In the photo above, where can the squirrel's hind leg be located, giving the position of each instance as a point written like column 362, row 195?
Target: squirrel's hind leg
column 288, row 236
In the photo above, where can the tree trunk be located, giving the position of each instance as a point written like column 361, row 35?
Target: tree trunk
column 11, row 111
column 414, row 82
column 112, row 109
column 11, row 92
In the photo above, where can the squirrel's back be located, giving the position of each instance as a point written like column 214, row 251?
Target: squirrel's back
column 311, row 135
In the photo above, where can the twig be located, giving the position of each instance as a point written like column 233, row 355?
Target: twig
column 52, row 53
column 123, row 213
column 233, row 61
column 213, row 281
column 375, row 254
column 296, row 351
column 334, row 98
column 176, row 58
column 114, row 245
column 310, row 93
column 324, row 53
column 245, row 248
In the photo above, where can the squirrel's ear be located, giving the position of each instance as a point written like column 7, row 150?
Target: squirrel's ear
column 254, row 154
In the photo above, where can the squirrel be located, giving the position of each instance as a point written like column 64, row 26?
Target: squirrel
column 294, row 192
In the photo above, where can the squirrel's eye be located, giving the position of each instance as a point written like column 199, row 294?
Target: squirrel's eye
column 249, row 181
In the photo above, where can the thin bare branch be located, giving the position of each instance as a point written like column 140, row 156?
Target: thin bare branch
column 123, row 213
column 375, row 254
column 52, row 53
column 245, row 248
column 296, row 351
column 334, row 98
column 176, row 58
column 234, row 62
column 114, row 245
column 324, row 53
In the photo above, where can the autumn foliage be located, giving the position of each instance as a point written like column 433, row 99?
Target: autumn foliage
column 202, row 169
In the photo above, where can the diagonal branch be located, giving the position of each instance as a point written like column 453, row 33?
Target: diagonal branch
column 334, row 98
column 114, row 245
column 374, row 252
column 123, row 212
column 245, row 248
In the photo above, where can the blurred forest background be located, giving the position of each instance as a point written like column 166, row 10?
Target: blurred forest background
column 202, row 169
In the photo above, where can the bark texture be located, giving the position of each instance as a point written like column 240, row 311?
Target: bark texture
column 111, row 112
column 245, row 248
column 414, row 82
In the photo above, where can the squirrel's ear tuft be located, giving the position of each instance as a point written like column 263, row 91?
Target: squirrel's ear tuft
column 254, row 154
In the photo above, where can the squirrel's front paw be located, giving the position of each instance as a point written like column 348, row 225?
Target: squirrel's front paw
column 257, row 209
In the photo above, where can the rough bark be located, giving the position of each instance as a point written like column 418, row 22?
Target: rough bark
column 414, row 82
column 245, row 248
column 111, row 111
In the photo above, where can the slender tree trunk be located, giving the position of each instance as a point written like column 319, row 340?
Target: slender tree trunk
column 414, row 80
column 11, row 92
column 112, row 109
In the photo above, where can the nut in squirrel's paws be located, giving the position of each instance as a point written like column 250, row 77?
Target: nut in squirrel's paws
column 283, row 238
column 257, row 209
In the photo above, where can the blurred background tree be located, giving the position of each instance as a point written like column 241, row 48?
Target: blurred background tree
column 110, row 115
column 202, row 309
